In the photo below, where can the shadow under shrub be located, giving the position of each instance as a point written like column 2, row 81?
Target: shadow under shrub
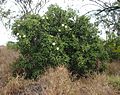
column 59, row 37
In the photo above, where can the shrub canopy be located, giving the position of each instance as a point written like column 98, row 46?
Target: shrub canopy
column 58, row 37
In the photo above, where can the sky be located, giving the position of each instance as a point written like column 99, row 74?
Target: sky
column 81, row 5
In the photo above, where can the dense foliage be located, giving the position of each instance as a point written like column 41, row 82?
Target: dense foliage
column 112, row 46
column 58, row 37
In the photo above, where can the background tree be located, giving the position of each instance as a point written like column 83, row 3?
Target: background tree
column 108, row 15
column 19, row 9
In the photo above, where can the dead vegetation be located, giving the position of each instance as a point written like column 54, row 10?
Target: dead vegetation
column 53, row 82
column 7, row 57
column 114, row 68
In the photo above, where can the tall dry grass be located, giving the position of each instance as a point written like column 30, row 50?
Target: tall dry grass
column 7, row 57
column 57, row 82
column 53, row 82
column 114, row 68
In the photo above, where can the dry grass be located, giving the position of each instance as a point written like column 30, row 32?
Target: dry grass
column 53, row 82
column 114, row 68
column 7, row 57
column 57, row 82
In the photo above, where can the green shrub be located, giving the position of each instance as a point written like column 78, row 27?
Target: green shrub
column 59, row 37
column 112, row 46
column 12, row 45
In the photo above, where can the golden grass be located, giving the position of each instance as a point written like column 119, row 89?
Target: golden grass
column 57, row 82
column 7, row 57
column 53, row 82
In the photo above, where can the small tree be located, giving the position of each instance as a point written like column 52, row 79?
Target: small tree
column 58, row 37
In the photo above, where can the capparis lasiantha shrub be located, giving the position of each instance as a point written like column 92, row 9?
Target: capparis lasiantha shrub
column 59, row 37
